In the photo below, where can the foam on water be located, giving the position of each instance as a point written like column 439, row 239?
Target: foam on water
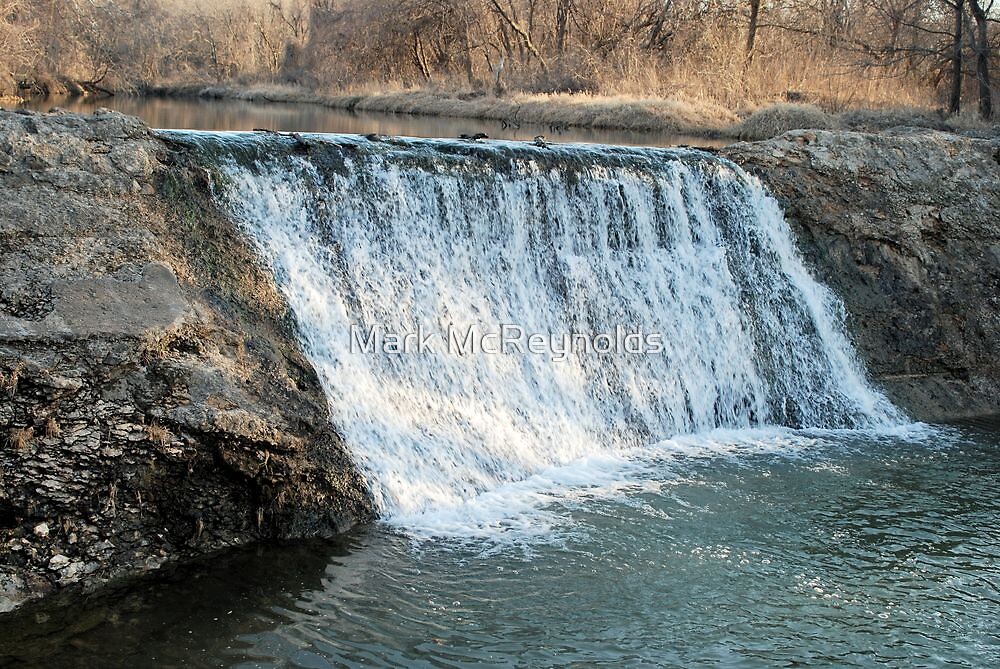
column 559, row 241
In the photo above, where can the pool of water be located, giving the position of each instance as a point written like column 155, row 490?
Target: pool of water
column 195, row 114
column 770, row 548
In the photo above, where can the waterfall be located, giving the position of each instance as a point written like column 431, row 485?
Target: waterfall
column 663, row 285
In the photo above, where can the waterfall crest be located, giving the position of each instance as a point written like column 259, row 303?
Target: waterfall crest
column 436, row 237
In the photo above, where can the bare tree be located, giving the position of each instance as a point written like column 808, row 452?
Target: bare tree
column 736, row 52
column 955, row 98
column 981, row 42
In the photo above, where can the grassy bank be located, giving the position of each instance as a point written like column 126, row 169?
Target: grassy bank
column 674, row 115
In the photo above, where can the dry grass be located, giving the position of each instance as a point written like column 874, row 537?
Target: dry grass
column 779, row 74
column 20, row 438
column 52, row 428
column 611, row 72
column 869, row 120
column 705, row 66
column 9, row 380
column 255, row 92
column 780, row 118
column 632, row 64
column 154, row 346
column 872, row 120
column 775, row 120
column 677, row 114
column 967, row 120
column 158, row 434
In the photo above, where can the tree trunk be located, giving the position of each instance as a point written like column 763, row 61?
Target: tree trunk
column 467, row 54
column 497, row 73
column 751, row 39
column 982, row 60
column 419, row 58
column 562, row 22
column 955, row 99
column 752, row 30
column 522, row 33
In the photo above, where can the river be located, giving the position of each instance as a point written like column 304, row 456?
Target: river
column 823, row 550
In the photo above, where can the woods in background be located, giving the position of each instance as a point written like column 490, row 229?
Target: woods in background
column 739, row 53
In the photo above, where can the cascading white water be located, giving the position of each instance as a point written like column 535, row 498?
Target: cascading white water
column 560, row 241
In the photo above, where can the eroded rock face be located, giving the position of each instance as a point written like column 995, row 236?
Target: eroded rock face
column 153, row 403
column 905, row 227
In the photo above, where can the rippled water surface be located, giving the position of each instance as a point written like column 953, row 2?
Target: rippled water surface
column 786, row 549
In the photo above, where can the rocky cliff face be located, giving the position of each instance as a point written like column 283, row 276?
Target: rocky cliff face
column 905, row 227
column 153, row 402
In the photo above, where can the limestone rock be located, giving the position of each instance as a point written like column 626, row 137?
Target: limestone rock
column 58, row 562
column 905, row 227
column 149, row 370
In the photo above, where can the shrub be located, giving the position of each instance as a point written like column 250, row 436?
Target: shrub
column 966, row 121
column 572, row 73
column 9, row 380
column 780, row 118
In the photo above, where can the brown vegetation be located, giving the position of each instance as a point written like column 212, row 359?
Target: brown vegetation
column 52, row 428
column 778, row 119
column 730, row 55
column 10, row 379
column 19, row 438
column 103, row 46
column 157, row 434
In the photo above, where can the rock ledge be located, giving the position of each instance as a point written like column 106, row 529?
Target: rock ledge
column 154, row 404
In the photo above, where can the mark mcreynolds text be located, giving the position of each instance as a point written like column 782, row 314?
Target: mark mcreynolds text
column 502, row 340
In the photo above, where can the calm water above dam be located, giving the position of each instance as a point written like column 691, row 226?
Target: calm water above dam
column 784, row 549
column 196, row 114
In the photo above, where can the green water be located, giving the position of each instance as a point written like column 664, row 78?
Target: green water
column 827, row 551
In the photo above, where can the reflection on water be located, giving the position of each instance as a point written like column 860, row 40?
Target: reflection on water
column 198, row 114
column 853, row 552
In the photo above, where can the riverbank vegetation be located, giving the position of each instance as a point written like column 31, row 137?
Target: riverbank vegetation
column 645, row 64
